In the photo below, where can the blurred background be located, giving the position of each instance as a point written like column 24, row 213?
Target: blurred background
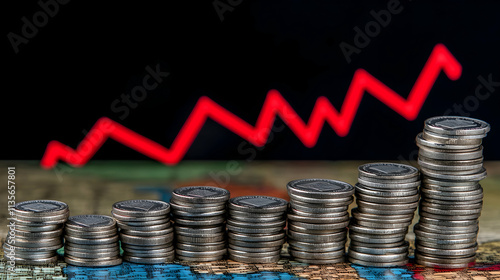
column 69, row 63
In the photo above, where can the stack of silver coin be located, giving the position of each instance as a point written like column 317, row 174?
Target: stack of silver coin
column 199, row 214
column 36, row 233
column 451, row 161
column 146, row 233
column 318, row 219
column 387, row 197
column 255, row 228
column 91, row 240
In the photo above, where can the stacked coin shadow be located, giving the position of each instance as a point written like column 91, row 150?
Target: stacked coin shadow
column 387, row 197
column 36, row 234
column 451, row 161
column 199, row 214
column 91, row 241
column 256, row 228
column 146, row 233
column 318, row 219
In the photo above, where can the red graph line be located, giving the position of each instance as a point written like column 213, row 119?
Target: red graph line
column 274, row 105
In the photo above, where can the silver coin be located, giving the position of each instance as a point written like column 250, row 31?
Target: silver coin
column 309, row 211
column 90, row 234
column 126, row 219
column 38, row 228
column 318, row 220
column 200, row 194
column 195, row 204
column 125, row 227
column 420, row 233
column 382, row 224
column 449, row 155
column 309, row 237
column 451, row 139
column 465, row 177
column 246, row 259
column 91, row 222
column 180, row 207
column 248, row 244
column 40, row 208
column 43, row 219
column 190, row 239
column 374, row 239
column 317, row 255
column 423, row 213
column 390, row 181
column 387, row 170
column 147, row 241
column 93, row 241
column 189, row 215
column 141, row 208
column 366, row 209
column 214, row 246
column 147, row 260
column 255, row 249
column 457, row 125
column 8, row 247
column 446, row 252
column 451, row 165
column 200, row 254
column 335, row 201
column 380, row 251
column 447, row 229
column 377, row 258
column 320, row 227
column 93, row 263
column 317, row 247
column 384, row 193
column 447, row 212
column 447, row 189
column 91, row 247
column 161, row 232
column 18, row 220
column 69, row 247
column 320, row 188
column 448, row 223
column 256, row 237
column 332, row 229
column 43, row 234
column 243, row 214
column 145, row 223
column 319, row 215
column 377, row 245
column 407, row 207
column 472, row 193
column 378, row 264
column 252, row 224
column 254, row 230
column 320, row 262
column 438, row 242
column 388, row 200
column 421, row 142
column 454, row 172
column 446, row 246
column 257, row 219
column 38, row 261
column 208, row 221
column 200, row 234
column 316, row 204
column 381, row 231
column 431, row 181
column 389, row 186
column 38, row 243
column 253, row 254
column 452, row 202
column 258, row 204
column 91, row 255
column 423, row 257
column 374, row 217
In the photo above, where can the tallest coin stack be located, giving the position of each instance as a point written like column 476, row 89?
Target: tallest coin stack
column 451, row 161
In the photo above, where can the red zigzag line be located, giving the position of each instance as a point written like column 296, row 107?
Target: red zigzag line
column 274, row 105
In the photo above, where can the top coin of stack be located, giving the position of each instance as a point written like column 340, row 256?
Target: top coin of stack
column 199, row 217
column 387, row 197
column 38, row 231
column 317, row 220
column 255, row 228
column 451, row 161
column 91, row 240
column 146, row 233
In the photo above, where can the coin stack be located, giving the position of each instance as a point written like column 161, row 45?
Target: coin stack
column 255, row 228
column 199, row 214
column 146, row 233
column 36, row 233
column 91, row 240
column 387, row 197
column 451, row 161
column 318, row 219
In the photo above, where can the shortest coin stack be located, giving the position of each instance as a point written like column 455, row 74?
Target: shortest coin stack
column 36, row 233
column 387, row 197
column 91, row 240
column 146, row 233
column 199, row 215
column 255, row 228
column 317, row 220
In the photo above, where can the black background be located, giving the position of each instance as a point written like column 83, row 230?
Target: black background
column 88, row 54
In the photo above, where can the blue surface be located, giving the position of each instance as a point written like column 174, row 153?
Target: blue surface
column 376, row 273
